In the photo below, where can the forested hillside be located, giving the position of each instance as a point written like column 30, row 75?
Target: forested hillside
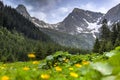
column 109, row 37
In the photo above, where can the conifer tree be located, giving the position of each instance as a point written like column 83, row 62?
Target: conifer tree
column 114, row 34
column 1, row 13
column 105, row 32
column 96, row 46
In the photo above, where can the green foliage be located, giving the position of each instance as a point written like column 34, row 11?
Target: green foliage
column 109, row 39
column 96, row 69
column 96, row 46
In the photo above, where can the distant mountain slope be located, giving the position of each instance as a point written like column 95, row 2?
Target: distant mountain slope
column 23, row 11
column 78, row 21
column 113, row 15
column 79, row 28
column 78, row 41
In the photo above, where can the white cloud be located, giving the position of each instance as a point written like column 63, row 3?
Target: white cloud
column 102, row 8
column 29, row 8
column 59, row 14
column 93, row 7
column 9, row 3
column 63, row 9
column 40, row 15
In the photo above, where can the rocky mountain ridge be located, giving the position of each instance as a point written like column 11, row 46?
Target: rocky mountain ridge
column 80, row 23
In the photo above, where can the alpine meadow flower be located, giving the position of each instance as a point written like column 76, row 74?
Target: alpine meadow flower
column 78, row 65
column 26, row 68
column 35, row 62
column 85, row 62
column 71, row 69
column 73, row 74
column 45, row 76
column 5, row 78
column 58, row 69
column 31, row 55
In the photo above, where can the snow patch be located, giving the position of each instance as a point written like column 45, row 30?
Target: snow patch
column 79, row 29
column 72, row 16
column 109, row 23
column 93, row 26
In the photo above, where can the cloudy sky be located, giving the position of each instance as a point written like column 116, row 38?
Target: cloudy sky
column 53, row 11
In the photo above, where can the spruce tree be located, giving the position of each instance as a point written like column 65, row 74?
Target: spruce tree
column 96, row 46
column 102, row 47
column 105, row 32
column 114, row 34
column 1, row 13
column 117, row 42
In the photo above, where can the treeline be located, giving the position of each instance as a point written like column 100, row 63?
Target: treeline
column 19, row 37
column 15, row 47
column 109, row 37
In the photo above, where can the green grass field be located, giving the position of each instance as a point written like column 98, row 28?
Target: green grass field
column 64, row 66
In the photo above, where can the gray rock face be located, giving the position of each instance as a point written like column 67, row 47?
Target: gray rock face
column 78, row 21
column 42, row 24
column 39, row 23
column 23, row 11
column 113, row 15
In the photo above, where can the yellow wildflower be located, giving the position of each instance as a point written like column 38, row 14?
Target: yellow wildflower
column 78, row 65
column 71, row 69
column 55, row 64
column 85, row 62
column 66, row 60
column 5, row 78
column 26, row 68
column 58, row 69
column 45, row 76
column 31, row 55
column 73, row 74
column 2, row 67
column 35, row 62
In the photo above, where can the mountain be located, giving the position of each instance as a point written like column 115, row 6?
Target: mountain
column 79, row 29
column 22, row 10
column 113, row 15
column 80, row 21
column 78, row 39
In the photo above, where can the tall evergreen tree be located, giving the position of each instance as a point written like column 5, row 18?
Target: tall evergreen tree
column 1, row 13
column 105, row 32
column 114, row 34
column 102, row 47
column 96, row 46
